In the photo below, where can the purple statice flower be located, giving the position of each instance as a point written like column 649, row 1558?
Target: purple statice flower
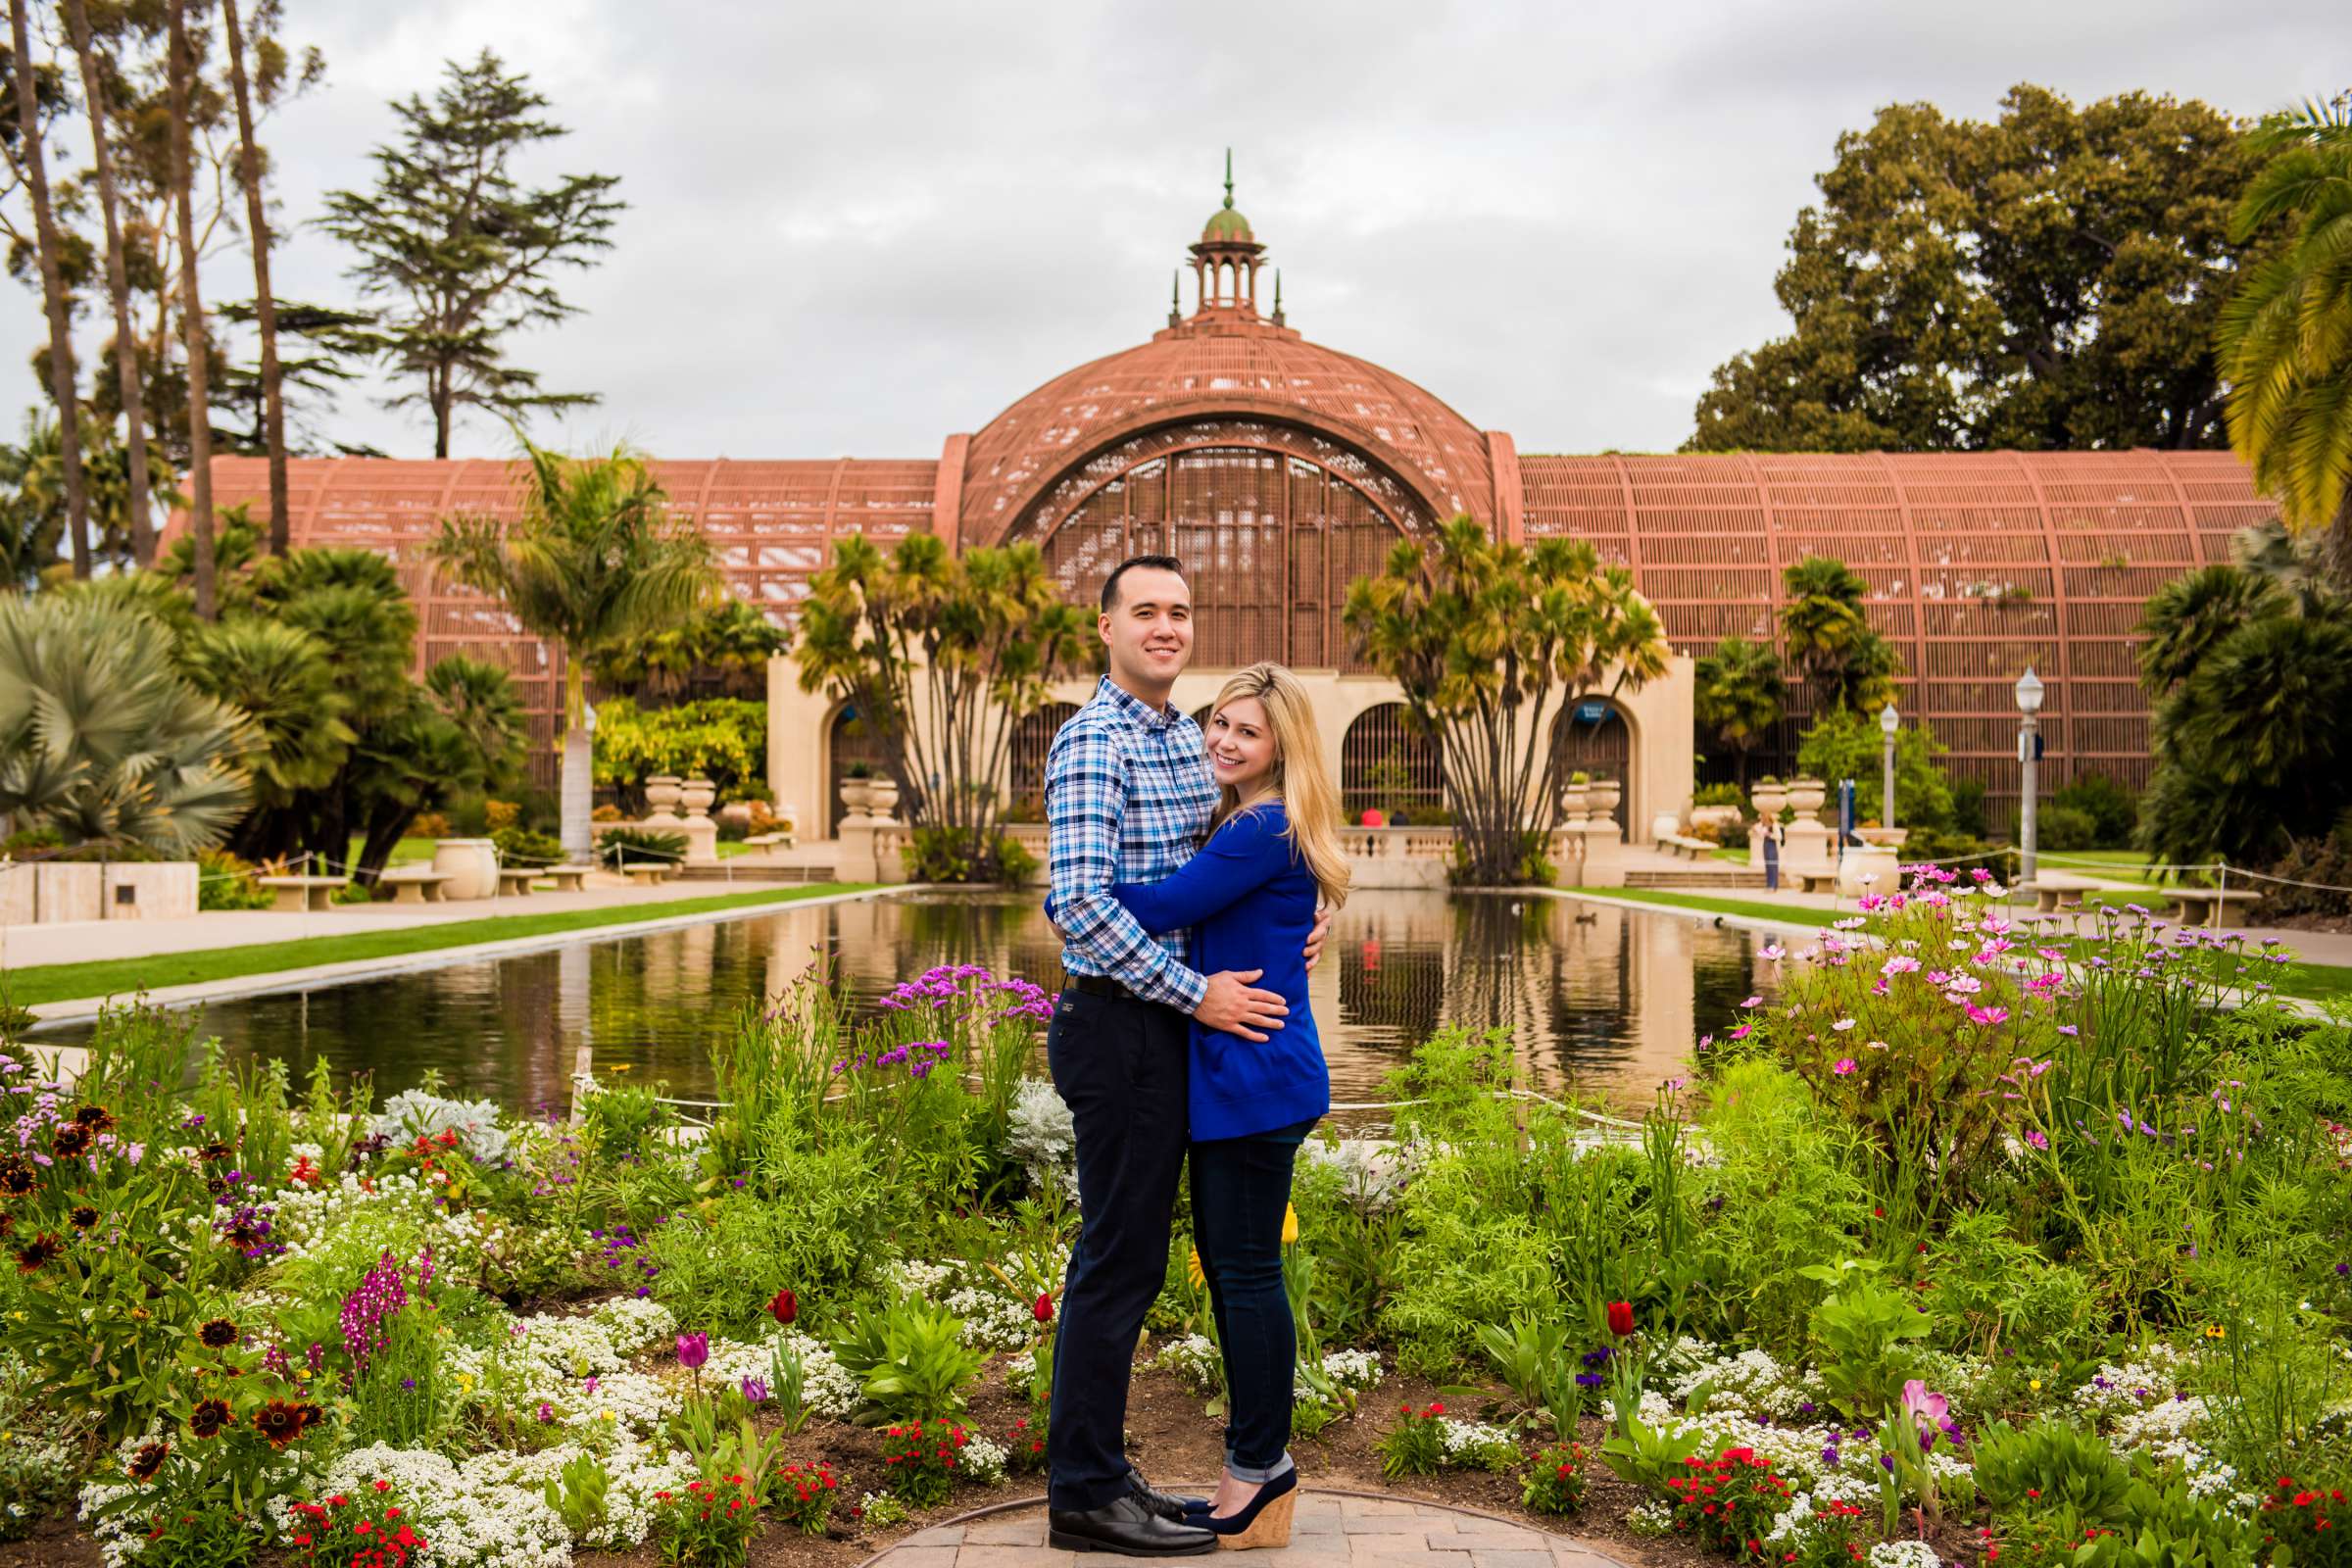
column 367, row 1311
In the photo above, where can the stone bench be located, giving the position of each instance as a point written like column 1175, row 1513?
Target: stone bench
column 646, row 873
column 764, row 842
column 567, row 878
column 303, row 895
column 415, row 884
column 1810, row 878
column 2208, row 905
column 1689, row 849
column 2049, row 886
column 517, row 880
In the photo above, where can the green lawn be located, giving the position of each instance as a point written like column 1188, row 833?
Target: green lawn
column 70, row 982
column 1707, row 903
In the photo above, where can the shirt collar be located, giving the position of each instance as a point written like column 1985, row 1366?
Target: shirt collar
column 1135, row 707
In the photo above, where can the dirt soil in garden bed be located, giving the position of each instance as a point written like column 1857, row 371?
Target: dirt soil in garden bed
column 1173, row 1440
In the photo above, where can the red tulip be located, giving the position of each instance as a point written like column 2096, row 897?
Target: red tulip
column 1043, row 1311
column 1621, row 1318
column 784, row 1307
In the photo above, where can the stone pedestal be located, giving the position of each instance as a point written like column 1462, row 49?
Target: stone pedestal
column 1596, row 847
column 1868, row 868
column 1807, row 846
column 702, row 833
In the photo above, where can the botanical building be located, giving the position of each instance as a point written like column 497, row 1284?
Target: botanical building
column 1279, row 470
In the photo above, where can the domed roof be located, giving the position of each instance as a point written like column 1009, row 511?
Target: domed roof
column 1259, row 371
column 1226, row 224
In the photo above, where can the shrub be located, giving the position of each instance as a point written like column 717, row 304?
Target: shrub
column 803, row 1495
column 2063, row 827
column 519, row 846
column 1555, row 1482
column 225, row 882
column 952, row 854
column 430, row 825
column 2328, row 862
column 1416, row 1444
column 709, row 1524
column 2307, row 1520
column 2113, row 809
column 616, row 846
column 2051, row 1465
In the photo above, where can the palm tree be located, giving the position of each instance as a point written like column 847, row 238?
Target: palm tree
column 102, row 737
column 2185, row 618
column 593, row 560
column 1740, row 696
column 1830, row 639
column 50, row 253
column 284, row 680
column 2286, row 337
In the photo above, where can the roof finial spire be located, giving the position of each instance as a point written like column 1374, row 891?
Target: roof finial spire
column 1175, row 296
column 1229, row 177
column 1278, row 296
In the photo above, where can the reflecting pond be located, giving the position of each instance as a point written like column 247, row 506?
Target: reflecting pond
column 1600, row 998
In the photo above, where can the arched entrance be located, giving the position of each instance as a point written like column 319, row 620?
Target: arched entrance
column 1388, row 765
column 1271, row 521
column 848, row 742
column 1595, row 738
column 1026, row 750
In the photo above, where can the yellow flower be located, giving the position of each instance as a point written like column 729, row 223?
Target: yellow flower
column 2214, row 1330
column 2035, row 1385
column 1192, row 1269
column 620, row 1066
column 303, row 1373
column 608, row 1416
column 1290, row 1223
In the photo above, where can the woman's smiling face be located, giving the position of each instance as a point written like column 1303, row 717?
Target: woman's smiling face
column 1241, row 744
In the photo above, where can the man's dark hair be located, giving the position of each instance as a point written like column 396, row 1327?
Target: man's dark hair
column 1110, row 584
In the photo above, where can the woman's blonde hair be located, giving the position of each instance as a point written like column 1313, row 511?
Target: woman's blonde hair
column 1304, row 784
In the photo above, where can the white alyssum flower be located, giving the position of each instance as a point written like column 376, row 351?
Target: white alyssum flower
column 1194, row 1359
column 634, row 1471
column 1903, row 1554
column 1476, row 1445
column 476, row 1515
column 983, row 1459
column 1649, row 1520
column 2147, row 1378
column 1750, row 1381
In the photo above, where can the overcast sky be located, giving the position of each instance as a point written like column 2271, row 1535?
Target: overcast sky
column 856, row 228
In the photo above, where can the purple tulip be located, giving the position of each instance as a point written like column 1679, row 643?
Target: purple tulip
column 754, row 1391
column 693, row 1350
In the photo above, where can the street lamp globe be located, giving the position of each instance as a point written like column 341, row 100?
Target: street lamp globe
column 1889, row 720
column 2028, row 692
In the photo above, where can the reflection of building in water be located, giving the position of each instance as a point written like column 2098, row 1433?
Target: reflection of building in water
column 1386, row 974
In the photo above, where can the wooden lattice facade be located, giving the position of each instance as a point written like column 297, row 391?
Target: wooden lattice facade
column 1279, row 470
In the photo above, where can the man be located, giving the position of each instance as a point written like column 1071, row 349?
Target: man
column 1128, row 799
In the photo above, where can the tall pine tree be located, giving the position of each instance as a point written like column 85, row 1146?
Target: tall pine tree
column 460, row 254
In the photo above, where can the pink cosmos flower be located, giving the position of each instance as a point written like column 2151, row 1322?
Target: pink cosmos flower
column 1844, row 1066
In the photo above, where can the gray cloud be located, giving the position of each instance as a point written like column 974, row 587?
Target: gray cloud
column 858, row 229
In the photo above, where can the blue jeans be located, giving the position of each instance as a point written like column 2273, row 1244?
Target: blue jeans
column 1241, row 1189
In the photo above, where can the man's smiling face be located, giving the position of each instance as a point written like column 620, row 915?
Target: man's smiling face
column 1149, row 630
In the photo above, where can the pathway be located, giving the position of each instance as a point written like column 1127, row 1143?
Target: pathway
column 1332, row 1530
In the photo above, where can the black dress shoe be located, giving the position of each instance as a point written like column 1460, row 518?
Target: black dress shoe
column 1166, row 1505
column 1127, row 1526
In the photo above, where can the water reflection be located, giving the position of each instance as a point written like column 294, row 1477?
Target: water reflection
column 1603, row 999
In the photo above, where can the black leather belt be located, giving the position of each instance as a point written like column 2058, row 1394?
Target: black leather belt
column 1099, row 985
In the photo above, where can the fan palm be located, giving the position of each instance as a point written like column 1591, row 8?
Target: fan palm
column 2286, row 337
column 2185, row 618
column 103, row 738
column 1829, row 638
column 592, row 560
column 1740, row 694
column 280, row 677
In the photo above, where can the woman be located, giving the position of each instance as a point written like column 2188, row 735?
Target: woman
column 1249, row 898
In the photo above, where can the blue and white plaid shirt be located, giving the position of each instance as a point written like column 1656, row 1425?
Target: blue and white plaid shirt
column 1128, row 799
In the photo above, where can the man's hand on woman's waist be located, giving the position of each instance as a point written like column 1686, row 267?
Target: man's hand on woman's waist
column 1234, row 1006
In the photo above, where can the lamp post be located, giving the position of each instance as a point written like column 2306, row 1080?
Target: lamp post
column 2028, row 703
column 1888, row 722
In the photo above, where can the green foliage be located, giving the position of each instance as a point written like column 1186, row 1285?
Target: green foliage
column 2112, row 811
column 1866, row 1331
column 1556, row 1480
column 519, row 846
column 225, row 882
column 1490, row 641
column 639, row 846
column 721, row 739
column 1943, row 298
column 1740, row 696
column 460, row 254
column 730, row 639
column 920, row 1458
column 2062, row 828
column 2049, row 1464
column 1830, row 640
column 101, row 737
column 952, row 854
column 1649, row 1457
column 968, row 641
column 578, row 1493
column 2286, row 337
column 1416, row 1445
column 1844, row 744
column 922, row 1365
column 2164, row 1526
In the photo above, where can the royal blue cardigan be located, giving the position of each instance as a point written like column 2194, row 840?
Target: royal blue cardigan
column 1249, row 900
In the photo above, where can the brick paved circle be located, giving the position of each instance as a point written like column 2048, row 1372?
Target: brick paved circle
column 1332, row 1530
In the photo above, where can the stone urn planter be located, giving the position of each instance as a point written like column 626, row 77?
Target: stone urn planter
column 881, row 796
column 1604, row 794
column 1575, row 803
column 1806, row 795
column 1768, row 800
column 661, row 794
column 697, row 795
column 1892, row 837
column 857, row 796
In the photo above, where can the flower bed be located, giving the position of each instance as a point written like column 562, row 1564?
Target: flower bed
column 1985, row 1238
